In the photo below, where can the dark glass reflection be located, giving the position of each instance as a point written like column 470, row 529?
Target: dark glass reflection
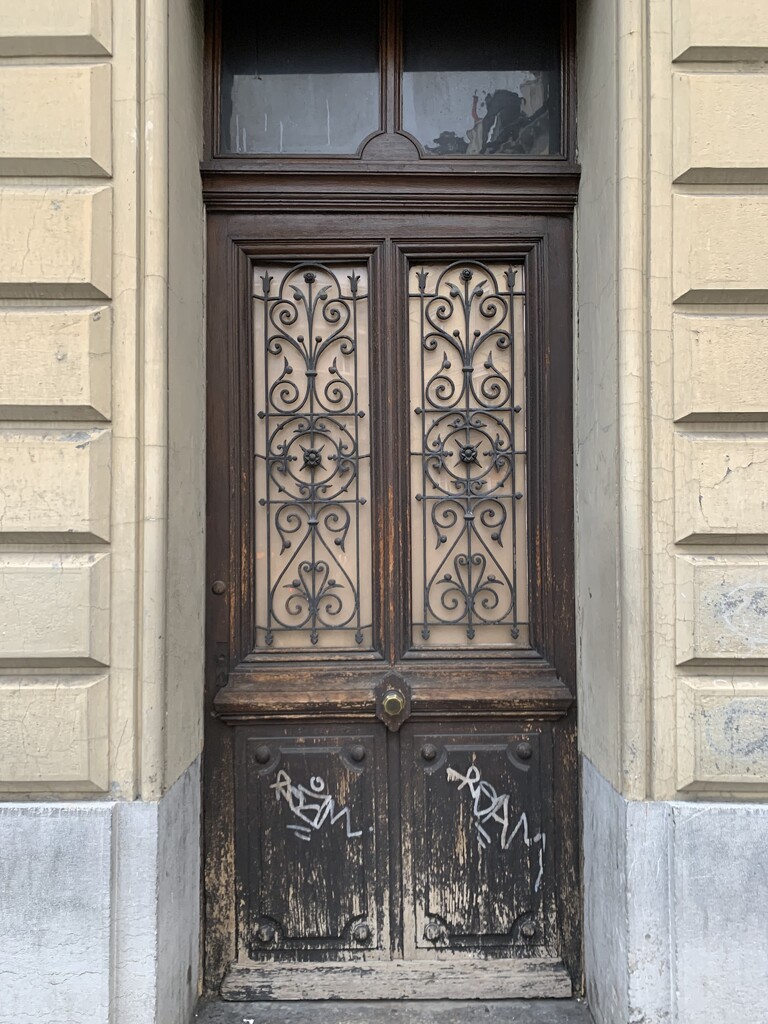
column 485, row 80
column 300, row 78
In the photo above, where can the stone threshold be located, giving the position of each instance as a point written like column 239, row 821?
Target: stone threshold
column 503, row 1011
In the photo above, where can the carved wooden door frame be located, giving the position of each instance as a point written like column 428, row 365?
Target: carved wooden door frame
column 538, row 688
column 389, row 205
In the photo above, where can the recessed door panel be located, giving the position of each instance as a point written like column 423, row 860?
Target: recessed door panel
column 477, row 867
column 308, row 807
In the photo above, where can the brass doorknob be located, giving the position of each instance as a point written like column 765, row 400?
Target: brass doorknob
column 393, row 703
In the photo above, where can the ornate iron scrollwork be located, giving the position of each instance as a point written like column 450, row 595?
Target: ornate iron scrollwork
column 471, row 453
column 309, row 336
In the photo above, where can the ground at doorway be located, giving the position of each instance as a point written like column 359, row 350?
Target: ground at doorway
column 527, row 1011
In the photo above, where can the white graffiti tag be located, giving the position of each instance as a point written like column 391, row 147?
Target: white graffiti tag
column 314, row 806
column 488, row 806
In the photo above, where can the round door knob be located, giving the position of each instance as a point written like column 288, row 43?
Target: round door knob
column 393, row 703
column 357, row 753
column 219, row 587
column 429, row 752
column 528, row 929
column 262, row 753
column 266, row 933
column 524, row 751
column 361, row 933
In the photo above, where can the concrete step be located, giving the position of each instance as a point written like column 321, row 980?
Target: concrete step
column 506, row 1011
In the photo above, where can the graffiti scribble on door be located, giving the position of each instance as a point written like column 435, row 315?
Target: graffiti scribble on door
column 315, row 807
column 490, row 806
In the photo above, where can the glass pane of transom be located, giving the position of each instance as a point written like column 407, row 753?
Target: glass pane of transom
column 469, row 575
column 313, row 478
column 298, row 79
column 482, row 81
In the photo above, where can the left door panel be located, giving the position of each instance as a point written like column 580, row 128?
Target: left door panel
column 312, row 873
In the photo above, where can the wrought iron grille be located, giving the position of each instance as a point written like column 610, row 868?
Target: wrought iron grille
column 312, row 447
column 468, row 456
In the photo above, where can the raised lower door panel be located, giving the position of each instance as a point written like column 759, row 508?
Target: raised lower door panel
column 313, row 841
column 477, row 858
column 310, row 844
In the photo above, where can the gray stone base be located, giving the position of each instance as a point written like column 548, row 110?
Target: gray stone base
column 99, row 915
column 99, row 910
column 676, row 909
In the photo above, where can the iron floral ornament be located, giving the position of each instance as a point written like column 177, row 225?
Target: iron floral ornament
column 310, row 409
column 471, row 468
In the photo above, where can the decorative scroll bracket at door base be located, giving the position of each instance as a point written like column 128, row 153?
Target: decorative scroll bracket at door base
column 393, row 701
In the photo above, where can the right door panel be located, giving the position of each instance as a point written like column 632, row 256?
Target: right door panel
column 477, row 869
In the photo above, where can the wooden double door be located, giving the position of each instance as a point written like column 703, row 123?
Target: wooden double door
column 390, row 767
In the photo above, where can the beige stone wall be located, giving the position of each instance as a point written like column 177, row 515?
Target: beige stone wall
column 596, row 440
column 711, row 367
column 687, row 310
column 101, row 396
column 186, row 411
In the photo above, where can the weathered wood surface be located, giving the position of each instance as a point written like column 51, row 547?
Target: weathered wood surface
column 542, row 978
column 264, row 694
column 385, row 206
column 246, row 686
column 310, row 855
column 508, row 1011
column 475, row 867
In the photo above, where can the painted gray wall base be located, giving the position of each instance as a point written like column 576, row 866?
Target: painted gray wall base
column 55, row 871
column 100, row 910
column 676, row 930
column 135, row 914
column 605, row 910
column 179, row 900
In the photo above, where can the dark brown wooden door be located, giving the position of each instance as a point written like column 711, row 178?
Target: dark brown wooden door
column 390, row 759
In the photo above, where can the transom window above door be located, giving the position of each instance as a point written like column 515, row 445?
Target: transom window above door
column 404, row 78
